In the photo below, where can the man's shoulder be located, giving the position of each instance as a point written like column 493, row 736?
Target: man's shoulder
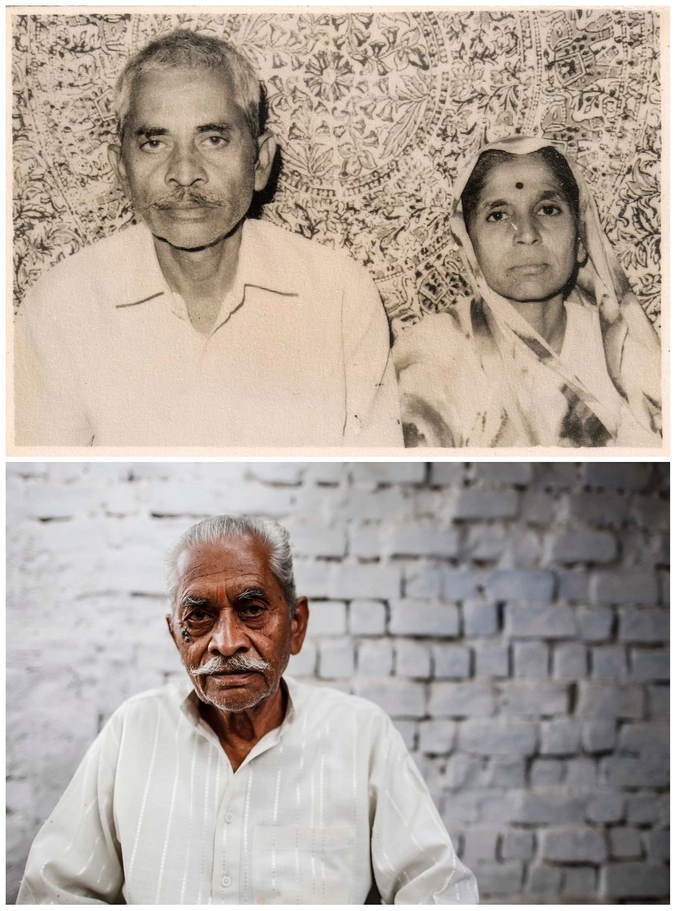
column 166, row 700
column 305, row 250
column 99, row 263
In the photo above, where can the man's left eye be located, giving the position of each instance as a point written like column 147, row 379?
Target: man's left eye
column 251, row 611
column 215, row 140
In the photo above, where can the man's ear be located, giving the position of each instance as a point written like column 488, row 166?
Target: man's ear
column 299, row 624
column 267, row 147
column 117, row 164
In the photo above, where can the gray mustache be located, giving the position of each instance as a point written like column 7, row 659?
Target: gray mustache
column 188, row 197
column 220, row 665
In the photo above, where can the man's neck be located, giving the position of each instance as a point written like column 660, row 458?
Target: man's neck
column 201, row 277
column 239, row 732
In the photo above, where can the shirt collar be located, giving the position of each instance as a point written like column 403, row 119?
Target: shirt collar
column 260, row 265
column 189, row 703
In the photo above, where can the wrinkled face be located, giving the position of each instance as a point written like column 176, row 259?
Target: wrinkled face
column 524, row 233
column 188, row 162
column 232, row 620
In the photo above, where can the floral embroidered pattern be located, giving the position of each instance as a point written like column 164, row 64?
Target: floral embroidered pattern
column 375, row 112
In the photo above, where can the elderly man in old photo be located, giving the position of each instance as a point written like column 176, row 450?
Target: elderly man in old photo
column 243, row 786
column 200, row 326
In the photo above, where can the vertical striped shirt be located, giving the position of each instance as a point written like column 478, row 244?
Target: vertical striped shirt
column 320, row 806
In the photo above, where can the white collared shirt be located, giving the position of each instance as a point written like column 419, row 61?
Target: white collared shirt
column 105, row 352
column 155, row 813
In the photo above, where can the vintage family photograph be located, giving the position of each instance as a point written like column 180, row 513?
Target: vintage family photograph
column 287, row 231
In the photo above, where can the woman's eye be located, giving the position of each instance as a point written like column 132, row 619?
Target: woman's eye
column 496, row 217
column 550, row 208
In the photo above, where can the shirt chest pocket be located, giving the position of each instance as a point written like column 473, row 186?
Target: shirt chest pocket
column 302, row 864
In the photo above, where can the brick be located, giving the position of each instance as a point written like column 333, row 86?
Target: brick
column 530, row 659
column 413, row 659
column 304, row 663
column 325, row 473
column 485, row 543
column 518, row 844
column 545, row 772
column 480, row 844
column 533, row 699
column 424, row 580
column 652, row 513
column 539, row 621
column 616, row 475
column 498, row 737
column 555, row 475
column 581, row 773
column 367, row 618
column 336, row 658
column 399, row 698
column 314, row 540
column 421, row 540
column 365, row 541
column 537, row 508
column 664, row 588
column 451, row 660
column 570, row 661
column 544, row 880
column 658, row 845
column 609, row 662
column 582, row 546
column 631, row 772
column 505, row 772
column 605, row 806
column 599, row 736
column 491, row 660
column 375, row 658
column 503, row 472
column 438, row 736
column 658, row 702
column 461, row 700
column 601, row 509
column 594, row 624
column 443, row 473
column 647, row 739
column 634, row 586
column 548, row 806
column 519, row 585
column 46, row 502
column 327, row 618
column 525, row 550
column 458, row 585
column 560, row 737
column 634, row 880
column 644, row 626
column 624, row 843
column 362, row 504
column 472, row 503
column 417, row 618
column 410, row 472
column 572, row 585
column 359, row 580
column 579, row 883
column 480, row 618
column 284, row 473
column 648, row 809
column 608, row 701
column 500, row 879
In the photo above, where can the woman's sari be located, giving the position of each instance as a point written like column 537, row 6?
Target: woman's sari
column 481, row 376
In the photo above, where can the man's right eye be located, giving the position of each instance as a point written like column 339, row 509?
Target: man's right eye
column 151, row 145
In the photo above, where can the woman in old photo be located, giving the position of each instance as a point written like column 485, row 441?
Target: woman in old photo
column 552, row 348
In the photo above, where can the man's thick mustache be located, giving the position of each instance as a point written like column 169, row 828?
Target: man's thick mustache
column 183, row 199
column 220, row 665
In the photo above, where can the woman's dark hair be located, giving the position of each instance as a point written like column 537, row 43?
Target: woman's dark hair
column 493, row 157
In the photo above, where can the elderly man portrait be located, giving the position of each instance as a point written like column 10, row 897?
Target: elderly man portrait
column 242, row 786
column 200, row 326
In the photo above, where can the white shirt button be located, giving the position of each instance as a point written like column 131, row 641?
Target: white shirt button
column 226, row 881
column 229, row 817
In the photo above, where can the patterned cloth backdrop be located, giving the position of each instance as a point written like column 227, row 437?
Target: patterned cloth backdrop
column 375, row 112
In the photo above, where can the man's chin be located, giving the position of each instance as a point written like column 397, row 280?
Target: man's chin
column 192, row 238
column 233, row 698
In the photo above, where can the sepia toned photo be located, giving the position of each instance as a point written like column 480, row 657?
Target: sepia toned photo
column 371, row 231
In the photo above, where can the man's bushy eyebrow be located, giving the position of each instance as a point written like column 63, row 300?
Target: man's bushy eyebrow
column 249, row 594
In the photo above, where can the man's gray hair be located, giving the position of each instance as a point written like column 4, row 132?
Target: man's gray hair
column 220, row 528
column 188, row 49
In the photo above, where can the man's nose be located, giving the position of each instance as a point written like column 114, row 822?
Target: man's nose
column 526, row 229
column 228, row 635
column 185, row 167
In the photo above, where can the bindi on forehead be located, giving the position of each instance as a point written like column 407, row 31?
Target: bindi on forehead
column 519, row 185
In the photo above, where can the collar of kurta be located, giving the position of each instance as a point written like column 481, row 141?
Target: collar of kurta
column 190, row 702
column 260, row 265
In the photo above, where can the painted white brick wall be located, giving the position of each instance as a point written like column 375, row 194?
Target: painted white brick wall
column 512, row 618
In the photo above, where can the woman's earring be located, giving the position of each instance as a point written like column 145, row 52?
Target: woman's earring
column 582, row 255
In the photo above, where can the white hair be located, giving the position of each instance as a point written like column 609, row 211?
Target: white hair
column 186, row 48
column 220, row 528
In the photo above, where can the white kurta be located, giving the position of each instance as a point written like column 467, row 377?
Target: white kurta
column 155, row 813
